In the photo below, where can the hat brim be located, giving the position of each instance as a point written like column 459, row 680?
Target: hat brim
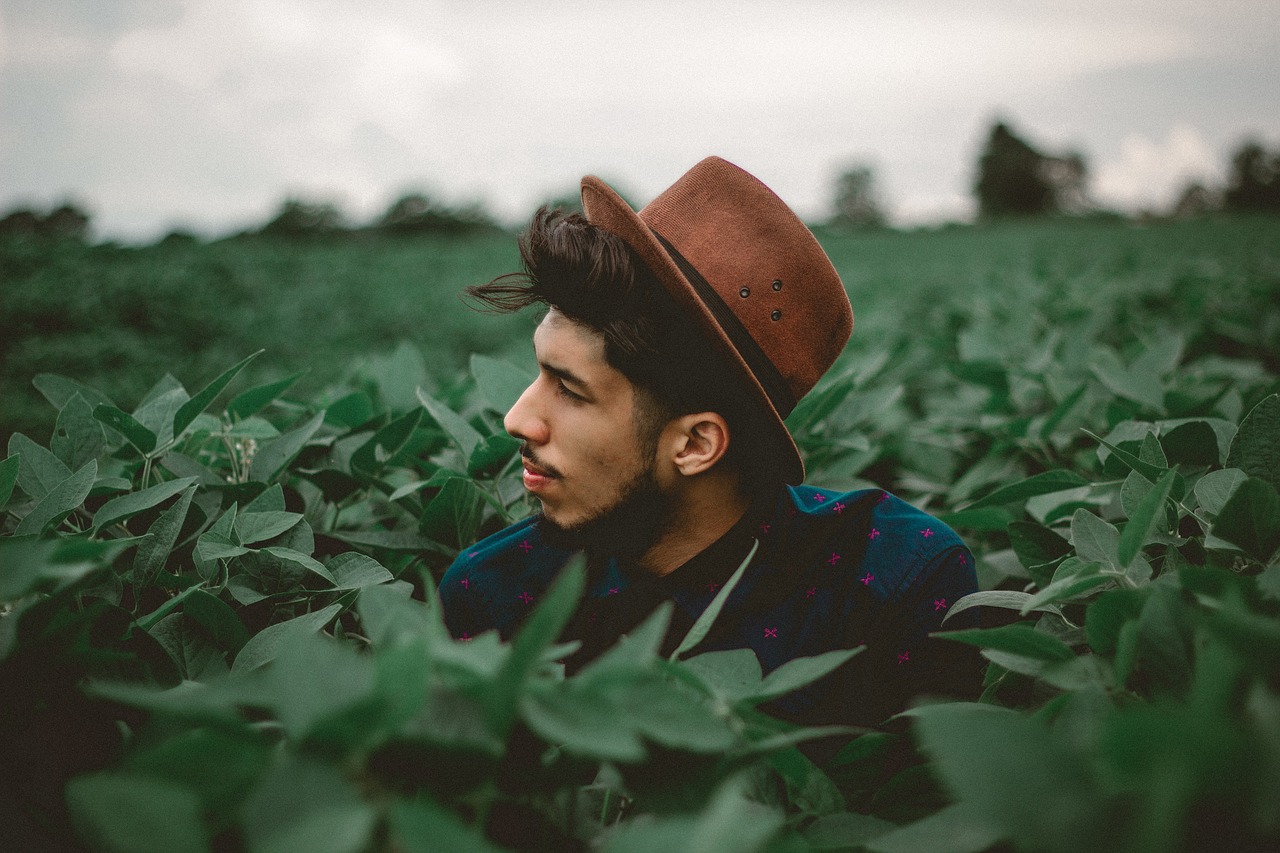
column 605, row 208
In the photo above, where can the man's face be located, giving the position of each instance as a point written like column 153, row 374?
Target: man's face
column 585, row 459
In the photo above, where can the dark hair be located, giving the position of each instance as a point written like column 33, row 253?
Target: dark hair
column 593, row 277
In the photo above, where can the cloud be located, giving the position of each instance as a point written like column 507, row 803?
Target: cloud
column 1150, row 172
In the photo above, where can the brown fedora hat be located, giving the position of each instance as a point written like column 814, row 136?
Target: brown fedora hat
column 732, row 252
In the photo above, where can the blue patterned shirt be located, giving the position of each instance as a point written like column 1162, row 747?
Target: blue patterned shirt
column 833, row 571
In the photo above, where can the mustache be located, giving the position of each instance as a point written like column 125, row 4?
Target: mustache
column 528, row 454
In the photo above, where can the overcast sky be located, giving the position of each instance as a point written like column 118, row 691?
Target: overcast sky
column 205, row 114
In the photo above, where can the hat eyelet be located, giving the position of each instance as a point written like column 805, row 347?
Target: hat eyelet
column 745, row 292
column 777, row 284
column 776, row 315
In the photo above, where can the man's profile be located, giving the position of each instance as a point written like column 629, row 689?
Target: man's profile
column 675, row 342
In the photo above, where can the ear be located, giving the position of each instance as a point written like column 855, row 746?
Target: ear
column 700, row 441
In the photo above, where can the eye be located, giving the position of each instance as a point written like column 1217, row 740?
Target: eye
column 563, row 391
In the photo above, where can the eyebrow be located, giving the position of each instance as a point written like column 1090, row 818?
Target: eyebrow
column 565, row 375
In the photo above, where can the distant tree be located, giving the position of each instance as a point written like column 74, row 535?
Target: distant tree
column 66, row 222
column 857, row 201
column 1254, row 181
column 298, row 218
column 20, row 224
column 1014, row 179
column 418, row 213
column 1196, row 200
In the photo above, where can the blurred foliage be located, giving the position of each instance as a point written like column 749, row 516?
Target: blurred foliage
column 1015, row 179
column 1253, row 184
column 857, row 200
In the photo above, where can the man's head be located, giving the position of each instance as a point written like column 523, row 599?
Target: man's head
column 707, row 315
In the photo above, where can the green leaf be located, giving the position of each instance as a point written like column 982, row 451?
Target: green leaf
column 1251, row 519
column 1041, row 484
column 264, row 645
column 492, row 454
column 1214, row 489
column 273, row 456
column 582, row 722
column 1144, row 519
column 1002, row 598
column 372, row 457
column 8, row 477
column 708, row 617
column 1256, row 447
column 1018, row 638
column 129, row 505
column 1095, row 540
column 61, row 501
column 958, row 828
column 254, row 527
column 539, row 631
column 216, row 618
column 463, row 435
column 78, row 436
column 254, row 400
column 798, row 672
column 59, row 389
column 118, row 812
column 187, row 411
column 39, row 471
column 453, row 516
column 1141, row 387
column 422, row 826
column 306, row 806
column 500, row 382
column 124, row 423
column 1146, row 469
column 355, row 571
column 298, row 558
column 1036, row 545
column 156, row 412
column 154, row 549
column 1067, row 588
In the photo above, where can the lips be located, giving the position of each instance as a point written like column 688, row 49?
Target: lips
column 536, row 477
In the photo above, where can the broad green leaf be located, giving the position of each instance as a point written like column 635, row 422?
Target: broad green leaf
column 798, row 672
column 581, row 721
column 500, row 382
column 453, row 516
column 154, row 549
column 61, row 501
column 983, row 519
column 1146, row 469
column 1018, row 638
column 254, row 400
column 78, row 435
column 397, row 375
column 1067, row 588
column 304, row 805
column 733, row 674
column 39, row 471
column 732, row 821
column 254, row 527
column 124, row 423
column 1214, row 489
column 1251, row 519
column 537, row 633
column 708, row 617
column 8, row 477
column 1036, row 545
column 958, row 828
column 129, row 505
column 274, row 455
column 187, row 411
column 1144, row 520
column 264, row 645
column 156, row 413
column 1041, row 484
column 492, row 454
column 463, row 435
column 270, row 499
column 354, row 571
column 296, row 557
column 1143, row 388
column 59, row 389
column 1195, row 442
column 1095, row 540
column 422, row 826
column 304, row 703
column 119, row 812
column 639, row 647
column 374, row 454
column 1006, row 599
column 1256, row 447
column 388, row 540
column 216, row 618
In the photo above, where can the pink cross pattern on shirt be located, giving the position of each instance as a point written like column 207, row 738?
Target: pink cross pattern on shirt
column 884, row 496
column 764, row 527
column 525, row 597
column 838, row 507
column 939, row 604
column 473, row 555
column 525, row 546
column 867, row 579
column 771, row 632
column 874, row 534
column 466, row 583
column 819, row 498
column 833, row 559
column 613, row 590
column 927, row 532
column 964, row 560
column 811, row 592
column 466, row 638
column 713, row 586
column 903, row 657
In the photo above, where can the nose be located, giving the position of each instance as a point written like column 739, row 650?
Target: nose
column 524, row 420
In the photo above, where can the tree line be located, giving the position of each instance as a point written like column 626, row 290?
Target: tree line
column 1014, row 178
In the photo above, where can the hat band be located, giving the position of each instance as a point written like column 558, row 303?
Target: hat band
column 766, row 373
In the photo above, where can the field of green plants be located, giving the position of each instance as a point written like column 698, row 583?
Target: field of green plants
column 218, row 628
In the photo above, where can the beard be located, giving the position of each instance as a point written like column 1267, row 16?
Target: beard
column 625, row 529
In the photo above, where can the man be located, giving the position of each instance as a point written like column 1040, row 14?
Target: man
column 675, row 342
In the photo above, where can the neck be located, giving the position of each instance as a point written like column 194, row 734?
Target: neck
column 703, row 512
